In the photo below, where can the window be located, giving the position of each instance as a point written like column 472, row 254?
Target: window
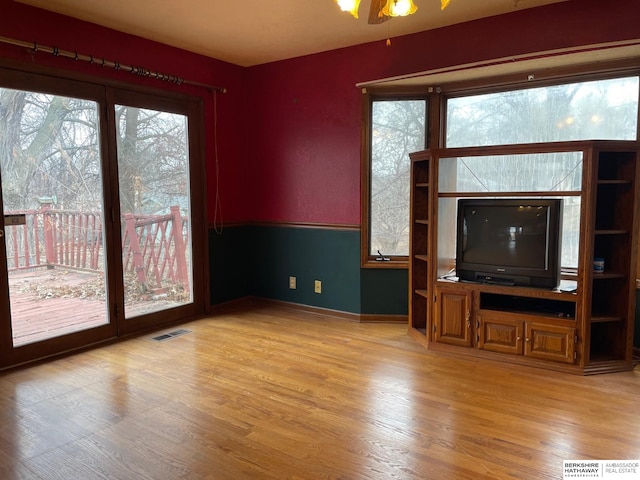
column 598, row 109
column 595, row 109
column 396, row 127
column 604, row 106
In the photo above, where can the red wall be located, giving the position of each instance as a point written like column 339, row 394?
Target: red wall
column 22, row 22
column 305, row 113
column 289, row 131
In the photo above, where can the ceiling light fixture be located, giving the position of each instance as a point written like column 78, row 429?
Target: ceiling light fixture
column 382, row 10
column 399, row 8
column 350, row 6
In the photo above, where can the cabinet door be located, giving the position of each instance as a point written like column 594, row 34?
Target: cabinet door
column 550, row 342
column 500, row 334
column 453, row 318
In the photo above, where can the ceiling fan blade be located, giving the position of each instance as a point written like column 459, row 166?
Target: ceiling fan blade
column 375, row 12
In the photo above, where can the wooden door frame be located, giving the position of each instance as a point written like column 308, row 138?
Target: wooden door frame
column 47, row 80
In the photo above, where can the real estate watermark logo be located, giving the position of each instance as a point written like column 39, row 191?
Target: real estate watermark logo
column 607, row 469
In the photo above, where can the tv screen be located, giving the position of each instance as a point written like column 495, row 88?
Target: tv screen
column 509, row 241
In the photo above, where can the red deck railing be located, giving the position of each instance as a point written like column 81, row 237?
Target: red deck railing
column 153, row 246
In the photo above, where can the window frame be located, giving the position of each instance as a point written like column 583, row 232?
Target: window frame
column 467, row 90
column 370, row 96
column 105, row 92
column 436, row 124
column 554, row 77
column 191, row 107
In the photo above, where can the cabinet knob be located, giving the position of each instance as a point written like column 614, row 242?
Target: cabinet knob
column 518, row 338
column 527, row 340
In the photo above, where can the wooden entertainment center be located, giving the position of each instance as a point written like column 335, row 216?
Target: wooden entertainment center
column 583, row 327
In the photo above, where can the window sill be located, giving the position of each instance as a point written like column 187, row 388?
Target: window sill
column 389, row 264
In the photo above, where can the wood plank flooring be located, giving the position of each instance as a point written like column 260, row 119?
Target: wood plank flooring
column 272, row 393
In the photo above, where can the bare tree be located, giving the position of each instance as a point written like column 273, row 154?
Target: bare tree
column 48, row 148
column 398, row 129
column 152, row 160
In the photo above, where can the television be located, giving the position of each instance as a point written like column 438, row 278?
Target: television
column 509, row 241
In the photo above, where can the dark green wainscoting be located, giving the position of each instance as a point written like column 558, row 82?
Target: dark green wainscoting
column 384, row 291
column 308, row 254
column 230, row 266
column 257, row 260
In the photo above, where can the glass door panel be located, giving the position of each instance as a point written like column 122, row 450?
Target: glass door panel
column 154, row 190
column 50, row 167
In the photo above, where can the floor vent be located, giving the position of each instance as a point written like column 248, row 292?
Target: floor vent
column 167, row 336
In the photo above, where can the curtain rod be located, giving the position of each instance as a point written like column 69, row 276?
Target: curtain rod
column 138, row 71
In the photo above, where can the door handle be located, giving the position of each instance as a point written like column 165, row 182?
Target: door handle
column 14, row 219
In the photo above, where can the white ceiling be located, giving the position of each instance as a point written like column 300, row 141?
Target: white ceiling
column 252, row 32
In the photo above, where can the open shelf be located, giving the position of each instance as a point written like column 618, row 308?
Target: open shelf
column 419, row 310
column 608, row 341
column 614, row 182
column 547, row 307
column 608, row 276
column 604, row 319
column 611, row 232
column 419, row 305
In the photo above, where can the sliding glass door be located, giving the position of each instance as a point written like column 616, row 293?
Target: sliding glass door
column 53, row 215
column 160, row 191
column 153, row 179
column 53, row 261
column 97, row 234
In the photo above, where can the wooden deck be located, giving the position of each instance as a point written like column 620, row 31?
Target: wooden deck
column 43, row 304
column 50, row 303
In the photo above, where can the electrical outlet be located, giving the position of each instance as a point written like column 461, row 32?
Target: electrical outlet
column 317, row 287
column 292, row 283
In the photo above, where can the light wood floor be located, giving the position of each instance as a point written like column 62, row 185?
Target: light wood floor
column 271, row 393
